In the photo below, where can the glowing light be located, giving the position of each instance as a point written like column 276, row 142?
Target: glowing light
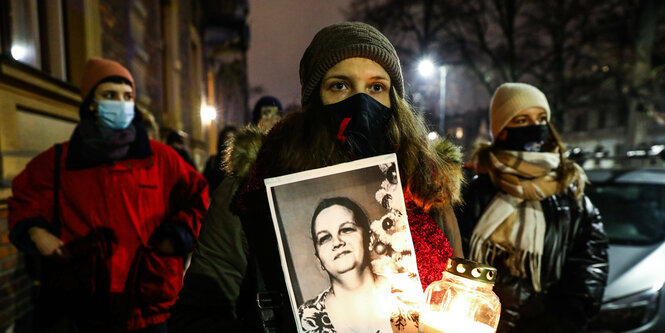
column 459, row 132
column 437, row 322
column 426, row 67
column 18, row 52
column 636, row 153
column 656, row 149
column 432, row 136
column 208, row 113
column 462, row 301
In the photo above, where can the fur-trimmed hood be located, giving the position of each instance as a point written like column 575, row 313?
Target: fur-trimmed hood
column 452, row 177
column 243, row 150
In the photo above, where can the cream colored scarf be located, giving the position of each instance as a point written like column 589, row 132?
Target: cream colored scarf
column 514, row 221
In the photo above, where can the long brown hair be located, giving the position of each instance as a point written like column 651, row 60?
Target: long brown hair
column 430, row 171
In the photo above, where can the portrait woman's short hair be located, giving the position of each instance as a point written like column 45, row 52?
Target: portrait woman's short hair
column 359, row 217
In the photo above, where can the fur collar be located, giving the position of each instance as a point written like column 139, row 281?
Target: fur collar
column 452, row 177
column 242, row 153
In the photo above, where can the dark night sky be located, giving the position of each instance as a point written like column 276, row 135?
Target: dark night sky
column 280, row 32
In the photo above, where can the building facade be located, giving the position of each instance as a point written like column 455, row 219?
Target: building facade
column 173, row 48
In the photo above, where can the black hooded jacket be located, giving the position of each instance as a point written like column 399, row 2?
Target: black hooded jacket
column 573, row 270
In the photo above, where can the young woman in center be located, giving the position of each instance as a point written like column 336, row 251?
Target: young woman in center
column 353, row 106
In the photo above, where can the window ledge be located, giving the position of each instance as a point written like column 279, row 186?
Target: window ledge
column 26, row 77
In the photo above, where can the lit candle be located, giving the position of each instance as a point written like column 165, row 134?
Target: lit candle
column 443, row 322
column 462, row 301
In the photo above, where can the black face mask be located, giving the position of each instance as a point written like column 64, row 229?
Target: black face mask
column 525, row 138
column 359, row 123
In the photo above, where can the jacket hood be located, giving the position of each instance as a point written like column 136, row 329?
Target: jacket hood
column 452, row 177
column 242, row 150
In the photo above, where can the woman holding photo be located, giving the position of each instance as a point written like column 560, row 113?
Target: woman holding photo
column 354, row 107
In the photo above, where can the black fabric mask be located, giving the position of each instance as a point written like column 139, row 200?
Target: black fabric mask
column 525, row 138
column 359, row 123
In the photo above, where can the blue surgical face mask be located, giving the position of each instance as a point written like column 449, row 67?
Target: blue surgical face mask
column 115, row 114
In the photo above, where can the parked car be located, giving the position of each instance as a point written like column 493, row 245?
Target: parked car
column 632, row 204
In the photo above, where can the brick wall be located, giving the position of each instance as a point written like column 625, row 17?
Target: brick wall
column 16, row 287
column 155, row 47
column 143, row 57
column 231, row 91
column 184, row 45
column 115, row 20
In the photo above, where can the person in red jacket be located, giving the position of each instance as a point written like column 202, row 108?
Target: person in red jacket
column 111, row 212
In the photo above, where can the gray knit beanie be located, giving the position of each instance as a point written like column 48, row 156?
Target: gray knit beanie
column 340, row 41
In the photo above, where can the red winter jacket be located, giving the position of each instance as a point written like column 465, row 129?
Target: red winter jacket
column 133, row 198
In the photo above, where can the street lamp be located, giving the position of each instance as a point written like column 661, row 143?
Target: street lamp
column 208, row 116
column 426, row 67
column 208, row 113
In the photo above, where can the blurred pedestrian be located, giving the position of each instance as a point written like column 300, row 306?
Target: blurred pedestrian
column 176, row 140
column 526, row 214
column 353, row 107
column 151, row 127
column 112, row 214
column 214, row 172
column 266, row 113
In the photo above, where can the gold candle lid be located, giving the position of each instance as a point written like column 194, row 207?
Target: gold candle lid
column 471, row 270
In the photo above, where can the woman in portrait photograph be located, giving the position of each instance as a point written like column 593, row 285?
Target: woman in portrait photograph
column 358, row 300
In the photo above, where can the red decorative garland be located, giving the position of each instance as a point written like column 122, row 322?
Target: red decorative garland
column 431, row 245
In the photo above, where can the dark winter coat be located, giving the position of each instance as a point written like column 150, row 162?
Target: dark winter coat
column 213, row 172
column 220, row 287
column 110, row 215
column 573, row 271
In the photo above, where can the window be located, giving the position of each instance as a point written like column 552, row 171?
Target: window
column 24, row 32
column 53, row 43
column 580, row 124
column 36, row 35
column 592, row 119
column 633, row 213
column 602, row 118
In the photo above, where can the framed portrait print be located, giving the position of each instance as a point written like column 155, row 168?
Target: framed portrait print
column 346, row 249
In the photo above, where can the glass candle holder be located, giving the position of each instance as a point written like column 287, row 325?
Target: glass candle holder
column 462, row 301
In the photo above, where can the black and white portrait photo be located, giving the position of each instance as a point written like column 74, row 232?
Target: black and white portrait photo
column 346, row 248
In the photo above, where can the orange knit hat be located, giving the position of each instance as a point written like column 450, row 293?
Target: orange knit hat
column 97, row 69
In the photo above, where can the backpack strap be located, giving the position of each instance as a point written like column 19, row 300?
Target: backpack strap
column 56, row 190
